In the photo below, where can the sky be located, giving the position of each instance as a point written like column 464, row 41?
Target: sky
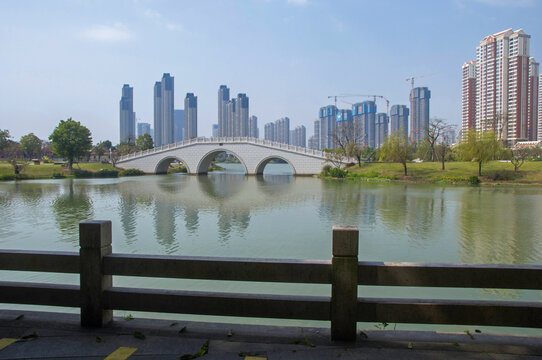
column 61, row 59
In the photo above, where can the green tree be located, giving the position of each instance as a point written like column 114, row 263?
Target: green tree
column 99, row 149
column 4, row 139
column 144, row 142
column 31, row 145
column 396, row 148
column 480, row 147
column 71, row 140
column 424, row 151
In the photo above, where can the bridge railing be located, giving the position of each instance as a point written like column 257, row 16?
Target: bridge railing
column 227, row 140
column 97, row 297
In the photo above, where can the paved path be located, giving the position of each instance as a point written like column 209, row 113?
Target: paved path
column 59, row 336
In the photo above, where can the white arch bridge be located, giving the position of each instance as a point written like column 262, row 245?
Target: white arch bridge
column 197, row 154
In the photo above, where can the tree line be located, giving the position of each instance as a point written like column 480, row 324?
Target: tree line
column 475, row 146
column 71, row 141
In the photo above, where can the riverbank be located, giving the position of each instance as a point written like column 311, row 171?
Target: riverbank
column 51, row 170
column 456, row 172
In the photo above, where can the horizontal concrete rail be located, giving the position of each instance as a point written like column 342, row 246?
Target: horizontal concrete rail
column 212, row 268
column 39, row 294
column 450, row 275
column 220, row 304
column 458, row 312
column 44, row 261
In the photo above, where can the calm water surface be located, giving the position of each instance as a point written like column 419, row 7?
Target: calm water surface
column 278, row 216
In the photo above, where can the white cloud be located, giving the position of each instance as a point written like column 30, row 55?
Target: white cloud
column 160, row 20
column 298, row 2
column 173, row 27
column 152, row 14
column 106, row 33
column 508, row 3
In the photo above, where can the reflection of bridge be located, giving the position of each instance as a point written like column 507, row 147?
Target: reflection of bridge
column 197, row 154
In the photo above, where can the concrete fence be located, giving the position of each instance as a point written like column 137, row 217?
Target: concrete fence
column 97, row 297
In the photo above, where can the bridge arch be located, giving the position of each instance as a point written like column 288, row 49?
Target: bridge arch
column 265, row 161
column 162, row 166
column 205, row 161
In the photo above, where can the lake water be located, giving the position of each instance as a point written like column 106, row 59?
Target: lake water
column 278, row 216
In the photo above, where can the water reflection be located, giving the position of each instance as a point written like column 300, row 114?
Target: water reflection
column 219, row 186
column 498, row 227
column 164, row 226
column 128, row 216
column 70, row 208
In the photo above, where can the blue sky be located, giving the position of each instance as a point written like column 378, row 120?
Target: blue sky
column 61, row 59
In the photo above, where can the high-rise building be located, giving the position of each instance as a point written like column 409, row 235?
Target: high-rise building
column 164, row 124
column 240, row 127
column 253, row 127
column 468, row 96
column 143, row 128
column 419, row 113
column 168, row 105
column 298, row 136
column 316, row 140
column 364, row 115
column 157, row 114
column 448, row 136
column 223, row 99
column 312, row 143
column 399, row 119
column 502, row 82
column 282, row 130
column 269, row 131
column 532, row 100
column 328, row 117
column 191, row 116
column 215, row 130
column 344, row 128
column 127, row 115
column 178, row 118
column 381, row 129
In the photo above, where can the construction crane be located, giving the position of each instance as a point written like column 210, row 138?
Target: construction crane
column 411, row 79
column 362, row 95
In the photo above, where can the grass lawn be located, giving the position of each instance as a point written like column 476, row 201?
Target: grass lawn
column 45, row 171
column 492, row 172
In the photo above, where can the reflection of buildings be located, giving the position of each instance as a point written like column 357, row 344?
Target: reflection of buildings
column 495, row 234
column 164, row 225
column 128, row 216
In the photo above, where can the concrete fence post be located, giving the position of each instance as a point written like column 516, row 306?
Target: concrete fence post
column 95, row 243
column 344, row 283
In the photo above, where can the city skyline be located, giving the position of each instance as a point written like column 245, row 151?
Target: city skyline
column 288, row 45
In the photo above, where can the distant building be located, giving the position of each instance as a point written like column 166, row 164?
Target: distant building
column 381, row 129
column 399, row 119
column 327, row 116
column 164, row 125
column 215, row 130
column 419, row 116
column 344, row 128
column 468, row 96
column 364, row 115
column 298, row 136
column 533, row 100
column 143, row 128
column 127, row 115
column 253, row 127
column 316, row 140
column 269, row 131
column 312, row 143
column 191, row 116
column 240, row 125
column 178, row 118
column 223, row 99
column 449, row 137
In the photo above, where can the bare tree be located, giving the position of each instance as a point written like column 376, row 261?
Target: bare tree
column 518, row 157
column 433, row 133
column 349, row 139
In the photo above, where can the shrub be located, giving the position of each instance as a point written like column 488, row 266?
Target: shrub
column 337, row 173
column 474, row 180
column 81, row 174
column 57, row 176
column 7, row 177
column 46, row 160
column 176, row 169
column 326, row 169
column 131, row 172
column 106, row 173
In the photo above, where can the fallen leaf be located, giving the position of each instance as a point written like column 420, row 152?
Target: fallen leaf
column 19, row 317
column 204, row 350
column 174, row 324
column 182, row 329
column 139, row 335
column 363, row 335
column 455, row 344
column 409, row 345
column 128, row 317
column 98, row 339
column 230, row 333
column 308, row 343
column 34, row 335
